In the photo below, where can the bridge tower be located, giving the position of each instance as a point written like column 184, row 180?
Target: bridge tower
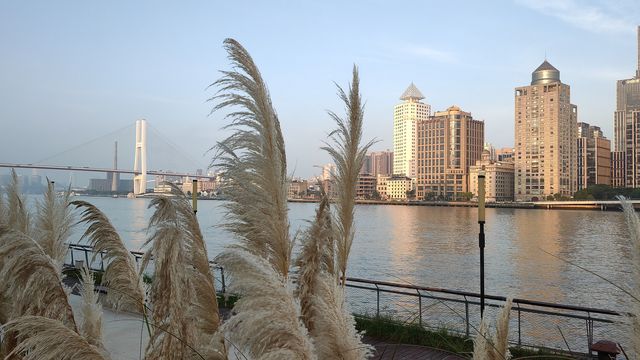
column 140, row 161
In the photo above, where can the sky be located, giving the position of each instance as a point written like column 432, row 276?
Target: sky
column 74, row 71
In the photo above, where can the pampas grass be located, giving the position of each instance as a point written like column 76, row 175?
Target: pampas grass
column 30, row 280
column 481, row 345
column 633, row 224
column 91, row 327
column 17, row 214
column 53, row 224
column 498, row 347
column 253, row 162
column 267, row 321
column 120, row 275
column 174, row 331
column 42, row 338
column 348, row 155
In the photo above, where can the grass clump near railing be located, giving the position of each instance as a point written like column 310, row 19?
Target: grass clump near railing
column 395, row 331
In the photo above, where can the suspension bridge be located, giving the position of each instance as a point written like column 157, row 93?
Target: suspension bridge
column 139, row 171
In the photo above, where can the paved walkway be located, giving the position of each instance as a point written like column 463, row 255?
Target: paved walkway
column 386, row 350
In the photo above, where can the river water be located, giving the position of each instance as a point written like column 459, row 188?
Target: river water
column 438, row 247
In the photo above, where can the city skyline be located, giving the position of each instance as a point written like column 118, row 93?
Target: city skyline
column 155, row 63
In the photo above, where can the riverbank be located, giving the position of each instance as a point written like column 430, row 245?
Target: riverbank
column 613, row 205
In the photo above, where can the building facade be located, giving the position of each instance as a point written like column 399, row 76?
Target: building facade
column 626, row 124
column 593, row 157
column 499, row 177
column 366, row 186
column 617, row 168
column 378, row 163
column 405, row 118
column 448, row 143
column 545, row 137
column 398, row 187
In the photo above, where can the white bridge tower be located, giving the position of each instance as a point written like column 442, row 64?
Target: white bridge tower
column 140, row 161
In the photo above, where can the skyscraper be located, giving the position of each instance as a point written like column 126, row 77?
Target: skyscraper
column 405, row 117
column 545, row 137
column 626, row 125
column 594, row 157
column 448, row 143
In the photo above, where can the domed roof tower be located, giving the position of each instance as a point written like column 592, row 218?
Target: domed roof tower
column 545, row 74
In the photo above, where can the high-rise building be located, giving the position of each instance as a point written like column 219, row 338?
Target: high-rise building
column 626, row 124
column 405, row 117
column 545, row 137
column 617, row 168
column 448, row 143
column 378, row 163
column 593, row 157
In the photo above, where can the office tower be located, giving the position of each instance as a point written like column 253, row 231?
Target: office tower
column 448, row 143
column 405, row 117
column 626, row 125
column 545, row 137
column 593, row 157
column 378, row 163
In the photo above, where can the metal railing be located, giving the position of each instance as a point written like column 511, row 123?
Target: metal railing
column 533, row 323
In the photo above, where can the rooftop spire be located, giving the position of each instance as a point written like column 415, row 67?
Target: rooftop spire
column 412, row 93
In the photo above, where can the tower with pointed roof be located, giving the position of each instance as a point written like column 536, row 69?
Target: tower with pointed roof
column 545, row 137
column 626, row 126
column 405, row 118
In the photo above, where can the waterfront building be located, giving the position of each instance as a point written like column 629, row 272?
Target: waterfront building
column 378, row 163
column 593, row 157
column 617, row 168
column 545, row 137
column 297, row 189
column 498, row 178
column 492, row 151
column 399, row 187
column 406, row 115
column 381, row 186
column 366, row 186
column 626, row 124
column 448, row 143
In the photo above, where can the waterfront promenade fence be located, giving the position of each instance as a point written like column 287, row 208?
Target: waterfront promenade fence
column 534, row 324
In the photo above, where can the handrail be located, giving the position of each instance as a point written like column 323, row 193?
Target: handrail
column 491, row 297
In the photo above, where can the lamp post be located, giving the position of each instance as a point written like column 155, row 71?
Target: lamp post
column 194, row 195
column 481, row 219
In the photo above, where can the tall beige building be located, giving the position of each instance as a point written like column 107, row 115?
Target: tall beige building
column 626, row 125
column 594, row 157
column 545, row 137
column 448, row 143
column 405, row 118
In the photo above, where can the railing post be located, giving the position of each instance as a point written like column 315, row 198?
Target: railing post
column 419, row 307
column 73, row 263
column 466, row 315
column 224, row 285
column 101, row 262
column 377, row 301
column 519, row 327
column 589, row 322
column 86, row 258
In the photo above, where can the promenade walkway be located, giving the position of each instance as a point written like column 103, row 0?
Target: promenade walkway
column 388, row 351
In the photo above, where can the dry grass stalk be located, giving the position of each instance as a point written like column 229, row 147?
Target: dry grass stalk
column 18, row 216
column 253, row 162
column 482, row 348
column 30, row 281
column 348, row 155
column 501, row 338
column 174, row 331
column 53, row 224
column 91, row 327
column 633, row 223
column 41, row 338
column 316, row 256
column 120, row 276
column 267, row 321
column 335, row 335
column 204, row 307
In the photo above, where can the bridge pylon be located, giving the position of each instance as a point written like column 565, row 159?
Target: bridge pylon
column 140, row 160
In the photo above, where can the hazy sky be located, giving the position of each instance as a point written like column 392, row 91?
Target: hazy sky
column 72, row 71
